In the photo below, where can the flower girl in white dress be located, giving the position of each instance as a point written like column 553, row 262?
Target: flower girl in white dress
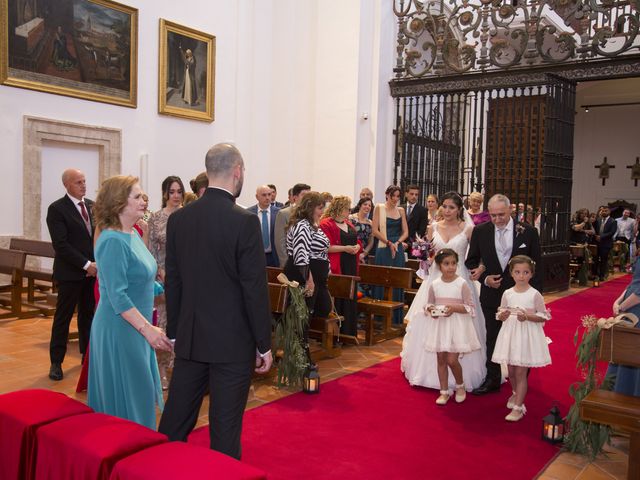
column 449, row 329
column 521, row 343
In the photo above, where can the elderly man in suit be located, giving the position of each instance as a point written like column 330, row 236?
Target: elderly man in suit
column 492, row 245
column 217, row 306
column 282, row 219
column 266, row 213
column 416, row 214
column 70, row 226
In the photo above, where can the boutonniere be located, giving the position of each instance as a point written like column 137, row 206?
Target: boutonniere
column 519, row 229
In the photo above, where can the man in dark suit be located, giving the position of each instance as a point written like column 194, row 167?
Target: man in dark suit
column 266, row 213
column 416, row 215
column 274, row 194
column 70, row 226
column 282, row 219
column 492, row 245
column 217, row 306
column 605, row 228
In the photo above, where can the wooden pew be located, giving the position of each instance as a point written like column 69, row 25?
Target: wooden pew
column 410, row 293
column 278, row 295
column 389, row 278
column 618, row 345
column 12, row 264
column 328, row 328
column 37, row 248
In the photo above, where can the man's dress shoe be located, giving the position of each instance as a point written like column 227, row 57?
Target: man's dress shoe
column 55, row 372
column 488, row 386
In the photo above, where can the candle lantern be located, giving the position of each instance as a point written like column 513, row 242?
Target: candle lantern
column 553, row 426
column 311, row 380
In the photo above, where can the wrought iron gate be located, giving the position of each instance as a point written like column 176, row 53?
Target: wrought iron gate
column 514, row 139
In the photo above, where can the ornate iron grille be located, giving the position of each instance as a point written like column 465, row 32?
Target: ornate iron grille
column 441, row 37
column 512, row 140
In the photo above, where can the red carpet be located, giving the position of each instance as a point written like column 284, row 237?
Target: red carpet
column 373, row 425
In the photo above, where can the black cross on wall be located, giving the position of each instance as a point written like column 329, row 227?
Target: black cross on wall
column 635, row 171
column 604, row 170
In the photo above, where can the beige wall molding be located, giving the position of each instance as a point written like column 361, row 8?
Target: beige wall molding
column 37, row 130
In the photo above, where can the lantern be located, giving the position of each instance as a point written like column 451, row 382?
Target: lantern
column 553, row 426
column 311, row 380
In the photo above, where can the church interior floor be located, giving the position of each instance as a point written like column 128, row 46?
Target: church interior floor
column 24, row 363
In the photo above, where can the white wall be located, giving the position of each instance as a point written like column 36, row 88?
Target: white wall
column 610, row 132
column 288, row 81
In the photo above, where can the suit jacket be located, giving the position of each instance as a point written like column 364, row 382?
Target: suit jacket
column 280, row 235
column 277, row 205
column 71, row 240
column 482, row 248
column 215, row 286
column 610, row 229
column 272, row 226
column 417, row 221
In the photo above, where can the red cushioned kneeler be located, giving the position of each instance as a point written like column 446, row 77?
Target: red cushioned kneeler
column 176, row 460
column 22, row 413
column 88, row 446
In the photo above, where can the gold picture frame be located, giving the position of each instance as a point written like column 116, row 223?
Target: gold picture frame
column 186, row 77
column 85, row 49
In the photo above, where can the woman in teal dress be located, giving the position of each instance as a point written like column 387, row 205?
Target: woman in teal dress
column 391, row 230
column 123, row 370
column 628, row 378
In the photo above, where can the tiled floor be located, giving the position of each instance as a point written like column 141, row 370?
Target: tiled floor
column 24, row 363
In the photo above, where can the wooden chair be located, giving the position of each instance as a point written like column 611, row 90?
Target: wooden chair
column 33, row 274
column 12, row 264
column 389, row 278
column 618, row 345
column 328, row 328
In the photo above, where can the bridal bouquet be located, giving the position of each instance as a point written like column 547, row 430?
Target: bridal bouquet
column 422, row 250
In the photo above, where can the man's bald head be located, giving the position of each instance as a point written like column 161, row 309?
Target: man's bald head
column 221, row 159
column 263, row 196
column 75, row 183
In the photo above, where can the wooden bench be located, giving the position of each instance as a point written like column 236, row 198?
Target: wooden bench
column 12, row 264
column 389, row 278
column 328, row 328
column 33, row 274
column 324, row 328
column 619, row 345
column 410, row 293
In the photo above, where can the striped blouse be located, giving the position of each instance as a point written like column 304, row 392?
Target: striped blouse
column 306, row 243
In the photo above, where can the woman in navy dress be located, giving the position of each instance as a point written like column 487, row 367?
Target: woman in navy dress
column 391, row 230
column 123, row 370
column 628, row 378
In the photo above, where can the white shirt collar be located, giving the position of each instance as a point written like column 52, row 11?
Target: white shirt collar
column 75, row 200
column 509, row 226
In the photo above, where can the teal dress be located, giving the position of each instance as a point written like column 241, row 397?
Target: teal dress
column 123, row 370
column 383, row 257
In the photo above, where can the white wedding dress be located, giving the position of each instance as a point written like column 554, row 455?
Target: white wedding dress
column 420, row 366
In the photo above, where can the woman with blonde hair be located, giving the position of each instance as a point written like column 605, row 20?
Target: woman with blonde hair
column 344, row 250
column 475, row 211
column 123, row 372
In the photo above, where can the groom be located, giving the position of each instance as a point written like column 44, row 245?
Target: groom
column 492, row 246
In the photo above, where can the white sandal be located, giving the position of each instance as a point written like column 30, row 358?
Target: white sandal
column 460, row 397
column 517, row 413
column 443, row 398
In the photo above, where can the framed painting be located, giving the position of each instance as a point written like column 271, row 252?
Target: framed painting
column 186, row 80
column 79, row 48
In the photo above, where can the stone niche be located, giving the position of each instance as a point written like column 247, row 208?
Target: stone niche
column 38, row 130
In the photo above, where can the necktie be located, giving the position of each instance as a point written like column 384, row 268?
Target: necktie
column 502, row 241
column 604, row 220
column 83, row 210
column 409, row 210
column 265, row 230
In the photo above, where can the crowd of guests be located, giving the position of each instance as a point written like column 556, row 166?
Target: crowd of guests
column 482, row 279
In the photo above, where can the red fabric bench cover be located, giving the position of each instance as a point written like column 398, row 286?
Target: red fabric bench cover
column 22, row 413
column 178, row 460
column 88, row 446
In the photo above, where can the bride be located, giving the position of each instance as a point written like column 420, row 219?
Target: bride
column 420, row 366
